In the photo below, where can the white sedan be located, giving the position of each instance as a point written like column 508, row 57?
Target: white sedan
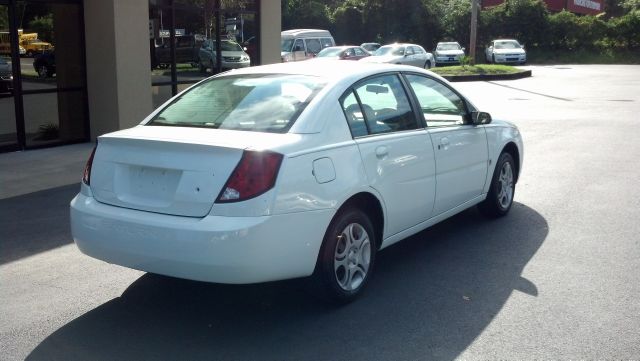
column 407, row 54
column 292, row 170
column 505, row 51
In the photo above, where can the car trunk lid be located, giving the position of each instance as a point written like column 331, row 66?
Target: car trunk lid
column 169, row 170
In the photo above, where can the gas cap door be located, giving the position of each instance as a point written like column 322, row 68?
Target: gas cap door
column 323, row 170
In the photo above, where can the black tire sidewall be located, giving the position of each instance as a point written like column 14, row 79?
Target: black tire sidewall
column 495, row 184
column 325, row 268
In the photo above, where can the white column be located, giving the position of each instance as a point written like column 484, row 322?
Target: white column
column 270, row 28
column 118, row 63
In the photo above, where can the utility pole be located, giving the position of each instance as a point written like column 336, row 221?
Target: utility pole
column 474, row 30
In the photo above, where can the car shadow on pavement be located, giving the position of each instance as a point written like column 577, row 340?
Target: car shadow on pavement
column 35, row 222
column 430, row 297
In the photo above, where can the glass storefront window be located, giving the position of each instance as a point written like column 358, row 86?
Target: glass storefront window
column 54, row 117
column 42, row 49
column 191, row 56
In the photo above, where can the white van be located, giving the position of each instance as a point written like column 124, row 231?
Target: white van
column 301, row 44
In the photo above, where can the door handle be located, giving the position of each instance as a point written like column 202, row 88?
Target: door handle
column 382, row 151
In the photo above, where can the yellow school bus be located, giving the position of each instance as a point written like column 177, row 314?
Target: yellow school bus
column 31, row 44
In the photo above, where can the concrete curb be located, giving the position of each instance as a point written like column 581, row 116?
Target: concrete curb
column 488, row 77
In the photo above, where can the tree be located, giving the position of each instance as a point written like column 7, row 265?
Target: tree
column 43, row 25
column 4, row 18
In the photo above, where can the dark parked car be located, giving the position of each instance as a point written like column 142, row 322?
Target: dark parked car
column 45, row 64
column 187, row 48
column 6, row 77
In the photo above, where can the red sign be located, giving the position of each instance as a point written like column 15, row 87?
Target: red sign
column 577, row 6
column 592, row 7
column 555, row 5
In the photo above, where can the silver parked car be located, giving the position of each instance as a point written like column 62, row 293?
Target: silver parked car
column 407, row 54
column 233, row 55
column 448, row 53
column 505, row 51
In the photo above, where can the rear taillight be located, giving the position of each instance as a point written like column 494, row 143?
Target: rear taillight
column 86, row 176
column 254, row 175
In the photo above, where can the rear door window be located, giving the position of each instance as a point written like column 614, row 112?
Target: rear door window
column 385, row 105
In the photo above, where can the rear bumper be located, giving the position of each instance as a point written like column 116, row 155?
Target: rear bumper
column 212, row 249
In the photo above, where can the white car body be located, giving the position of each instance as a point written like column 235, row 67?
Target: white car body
column 231, row 59
column 448, row 53
column 514, row 53
column 150, row 203
column 405, row 54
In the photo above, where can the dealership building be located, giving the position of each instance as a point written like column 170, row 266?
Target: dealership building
column 585, row 7
column 113, row 61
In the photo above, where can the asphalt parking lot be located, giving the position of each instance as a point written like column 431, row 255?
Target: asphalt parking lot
column 558, row 278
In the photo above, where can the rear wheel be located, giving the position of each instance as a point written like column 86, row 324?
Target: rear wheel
column 43, row 72
column 346, row 257
column 502, row 190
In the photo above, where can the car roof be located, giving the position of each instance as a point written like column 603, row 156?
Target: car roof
column 305, row 32
column 332, row 70
column 448, row 42
column 341, row 47
column 402, row 44
column 507, row 40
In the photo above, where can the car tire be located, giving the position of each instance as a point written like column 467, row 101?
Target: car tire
column 493, row 58
column 201, row 67
column 346, row 258
column 427, row 65
column 43, row 72
column 502, row 189
column 29, row 54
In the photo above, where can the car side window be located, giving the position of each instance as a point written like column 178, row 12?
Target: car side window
column 439, row 105
column 326, row 42
column 313, row 45
column 355, row 116
column 409, row 50
column 358, row 51
column 417, row 50
column 298, row 45
column 385, row 105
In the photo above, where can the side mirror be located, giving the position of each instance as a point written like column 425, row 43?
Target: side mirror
column 464, row 49
column 478, row 118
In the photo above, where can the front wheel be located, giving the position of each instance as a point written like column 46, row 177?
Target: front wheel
column 427, row 65
column 346, row 257
column 502, row 190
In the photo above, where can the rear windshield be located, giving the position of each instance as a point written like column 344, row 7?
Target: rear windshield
column 330, row 52
column 258, row 102
column 389, row 50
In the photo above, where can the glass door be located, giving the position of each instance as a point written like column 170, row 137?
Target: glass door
column 8, row 124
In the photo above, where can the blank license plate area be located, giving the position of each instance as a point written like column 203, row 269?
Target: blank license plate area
column 153, row 185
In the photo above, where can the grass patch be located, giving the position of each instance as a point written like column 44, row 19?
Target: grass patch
column 480, row 69
column 605, row 56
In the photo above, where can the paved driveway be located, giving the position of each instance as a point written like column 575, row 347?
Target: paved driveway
column 556, row 279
